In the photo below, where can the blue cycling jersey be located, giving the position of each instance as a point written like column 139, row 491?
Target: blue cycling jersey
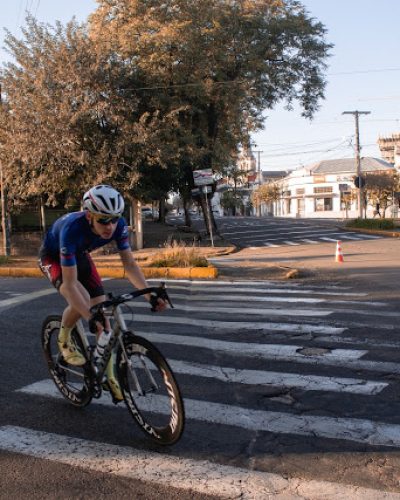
column 71, row 235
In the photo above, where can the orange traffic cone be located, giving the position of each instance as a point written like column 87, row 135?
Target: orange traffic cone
column 339, row 255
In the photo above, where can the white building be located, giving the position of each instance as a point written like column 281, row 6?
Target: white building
column 320, row 190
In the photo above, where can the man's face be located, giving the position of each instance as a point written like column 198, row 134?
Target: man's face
column 103, row 226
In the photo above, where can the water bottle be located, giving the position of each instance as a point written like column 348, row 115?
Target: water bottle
column 102, row 342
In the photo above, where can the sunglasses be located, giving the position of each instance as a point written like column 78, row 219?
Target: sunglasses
column 104, row 221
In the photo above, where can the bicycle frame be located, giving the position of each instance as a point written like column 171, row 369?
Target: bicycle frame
column 118, row 329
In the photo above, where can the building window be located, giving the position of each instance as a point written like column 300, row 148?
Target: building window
column 323, row 190
column 300, row 191
column 323, row 204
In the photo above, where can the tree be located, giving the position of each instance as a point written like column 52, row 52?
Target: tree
column 231, row 201
column 380, row 188
column 214, row 66
column 152, row 85
column 57, row 133
column 266, row 193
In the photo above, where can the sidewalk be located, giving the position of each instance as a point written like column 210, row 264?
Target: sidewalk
column 109, row 266
column 376, row 260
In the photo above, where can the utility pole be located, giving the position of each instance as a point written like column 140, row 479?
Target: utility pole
column 356, row 115
column 258, row 178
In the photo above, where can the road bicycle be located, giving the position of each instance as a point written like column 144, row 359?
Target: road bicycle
column 149, row 387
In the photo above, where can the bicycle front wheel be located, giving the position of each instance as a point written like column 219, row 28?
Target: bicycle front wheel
column 150, row 391
column 71, row 381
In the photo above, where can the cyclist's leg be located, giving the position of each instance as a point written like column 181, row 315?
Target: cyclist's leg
column 51, row 268
column 90, row 279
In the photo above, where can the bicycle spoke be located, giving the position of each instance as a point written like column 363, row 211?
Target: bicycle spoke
column 150, row 391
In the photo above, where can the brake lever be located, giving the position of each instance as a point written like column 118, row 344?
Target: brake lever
column 160, row 293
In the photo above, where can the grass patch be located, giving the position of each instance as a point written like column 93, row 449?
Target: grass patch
column 372, row 223
column 4, row 260
column 178, row 255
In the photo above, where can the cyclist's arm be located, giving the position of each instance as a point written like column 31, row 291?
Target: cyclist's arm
column 135, row 276
column 71, row 290
column 133, row 271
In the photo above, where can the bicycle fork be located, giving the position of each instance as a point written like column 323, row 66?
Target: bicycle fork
column 121, row 322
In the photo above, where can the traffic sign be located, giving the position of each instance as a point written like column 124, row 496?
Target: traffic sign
column 203, row 177
column 359, row 182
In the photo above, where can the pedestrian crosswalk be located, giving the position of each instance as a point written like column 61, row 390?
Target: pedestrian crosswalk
column 253, row 359
column 199, row 477
column 267, row 238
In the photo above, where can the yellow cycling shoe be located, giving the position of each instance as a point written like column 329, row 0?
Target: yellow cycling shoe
column 112, row 380
column 70, row 353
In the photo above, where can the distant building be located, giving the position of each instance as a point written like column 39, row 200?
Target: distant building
column 322, row 190
column 273, row 175
column 389, row 147
column 247, row 161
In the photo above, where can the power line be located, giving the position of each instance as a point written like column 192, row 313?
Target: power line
column 363, row 71
column 304, row 152
column 37, row 7
column 19, row 15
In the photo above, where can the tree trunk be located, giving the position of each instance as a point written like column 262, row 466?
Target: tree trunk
column 137, row 224
column 161, row 211
column 207, row 214
column 4, row 217
column 186, row 205
column 42, row 216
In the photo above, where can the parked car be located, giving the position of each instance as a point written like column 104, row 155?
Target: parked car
column 147, row 213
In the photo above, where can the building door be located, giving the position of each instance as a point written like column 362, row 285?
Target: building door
column 300, row 207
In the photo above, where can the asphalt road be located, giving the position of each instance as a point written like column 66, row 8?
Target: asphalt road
column 276, row 232
column 291, row 388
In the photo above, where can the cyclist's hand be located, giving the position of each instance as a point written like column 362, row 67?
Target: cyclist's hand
column 157, row 304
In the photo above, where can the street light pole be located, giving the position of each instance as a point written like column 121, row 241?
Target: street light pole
column 356, row 115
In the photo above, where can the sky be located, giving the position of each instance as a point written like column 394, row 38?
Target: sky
column 363, row 74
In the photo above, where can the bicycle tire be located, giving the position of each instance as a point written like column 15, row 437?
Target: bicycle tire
column 160, row 414
column 71, row 381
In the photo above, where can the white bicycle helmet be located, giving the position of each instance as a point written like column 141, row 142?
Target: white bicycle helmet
column 103, row 200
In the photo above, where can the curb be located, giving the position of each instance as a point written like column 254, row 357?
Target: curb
column 378, row 232
column 209, row 272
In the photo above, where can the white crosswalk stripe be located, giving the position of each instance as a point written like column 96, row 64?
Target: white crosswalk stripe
column 201, row 477
column 224, row 335
column 351, row 429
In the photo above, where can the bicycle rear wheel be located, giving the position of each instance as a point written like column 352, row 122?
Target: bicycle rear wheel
column 150, row 391
column 71, row 381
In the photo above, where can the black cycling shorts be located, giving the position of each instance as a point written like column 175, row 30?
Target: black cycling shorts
column 87, row 272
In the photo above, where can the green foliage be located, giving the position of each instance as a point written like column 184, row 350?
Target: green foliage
column 149, row 91
column 379, row 188
column 231, row 200
column 371, row 223
column 266, row 193
column 179, row 255
column 4, row 260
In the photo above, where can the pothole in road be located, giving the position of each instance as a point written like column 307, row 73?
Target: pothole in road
column 279, row 395
column 313, row 351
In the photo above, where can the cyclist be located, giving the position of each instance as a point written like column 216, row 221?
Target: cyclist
column 65, row 259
